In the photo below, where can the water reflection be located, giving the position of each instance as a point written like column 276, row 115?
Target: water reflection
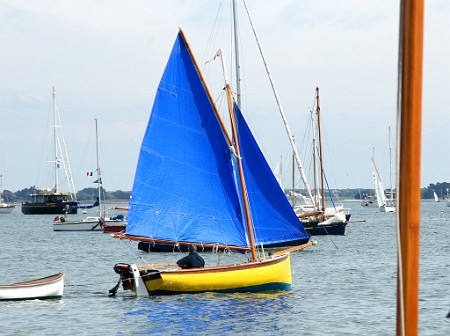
column 207, row 313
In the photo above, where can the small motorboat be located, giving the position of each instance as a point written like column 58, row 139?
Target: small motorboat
column 50, row 287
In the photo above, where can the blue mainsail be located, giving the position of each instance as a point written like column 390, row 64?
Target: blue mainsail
column 184, row 188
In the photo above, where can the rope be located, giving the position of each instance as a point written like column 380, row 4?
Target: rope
column 84, row 285
column 134, row 253
column 329, row 236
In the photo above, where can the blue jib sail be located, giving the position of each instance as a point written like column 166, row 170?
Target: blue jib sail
column 184, row 188
column 274, row 221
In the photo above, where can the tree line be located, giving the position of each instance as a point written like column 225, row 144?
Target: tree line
column 84, row 195
column 442, row 189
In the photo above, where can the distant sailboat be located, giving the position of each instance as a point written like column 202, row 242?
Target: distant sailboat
column 385, row 204
column 333, row 219
column 379, row 189
column 278, row 173
column 436, row 197
column 90, row 223
column 53, row 201
column 5, row 207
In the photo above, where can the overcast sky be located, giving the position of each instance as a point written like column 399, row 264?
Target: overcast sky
column 105, row 59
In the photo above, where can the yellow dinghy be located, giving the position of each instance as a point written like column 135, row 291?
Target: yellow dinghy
column 271, row 274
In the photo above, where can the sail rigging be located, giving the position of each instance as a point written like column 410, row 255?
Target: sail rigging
column 282, row 114
column 61, row 156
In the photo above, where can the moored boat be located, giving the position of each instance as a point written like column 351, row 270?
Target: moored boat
column 50, row 287
column 53, row 201
column 49, row 202
column 332, row 220
column 332, row 229
column 90, row 223
column 114, row 226
column 6, row 208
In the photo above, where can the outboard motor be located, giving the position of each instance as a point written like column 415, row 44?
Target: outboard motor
column 126, row 277
column 133, row 279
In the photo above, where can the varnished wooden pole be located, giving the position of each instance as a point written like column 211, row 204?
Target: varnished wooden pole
column 408, row 163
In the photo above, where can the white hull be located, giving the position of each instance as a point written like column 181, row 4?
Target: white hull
column 337, row 218
column 86, row 224
column 387, row 208
column 6, row 208
column 51, row 287
column 332, row 215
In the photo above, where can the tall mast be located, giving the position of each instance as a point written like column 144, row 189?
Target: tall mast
column 283, row 116
column 99, row 175
column 61, row 156
column 314, row 156
column 322, row 178
column 248, row 217
column 409, row 120
column 390, row 167
column 55, row 139
column 236, row 55
column 293, row 180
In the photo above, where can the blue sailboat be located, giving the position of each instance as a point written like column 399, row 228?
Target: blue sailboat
column 185, row 189
column 196, row 184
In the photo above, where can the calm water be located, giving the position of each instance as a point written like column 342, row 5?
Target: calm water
column 343, row 286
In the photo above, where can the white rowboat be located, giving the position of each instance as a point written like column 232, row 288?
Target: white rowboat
column 50, row 287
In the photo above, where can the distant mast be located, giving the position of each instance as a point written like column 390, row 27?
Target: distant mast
column 99, row 175
column 61, row 156
column 55, row 140
column 319, row 130
column 236, row 55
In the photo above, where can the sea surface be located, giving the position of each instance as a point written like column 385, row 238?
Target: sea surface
column 345, row 285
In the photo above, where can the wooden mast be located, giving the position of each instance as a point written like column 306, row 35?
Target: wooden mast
column 241, row 172
column 236, row 147
column 293, row 178
column 408, row 183
column 322, row 178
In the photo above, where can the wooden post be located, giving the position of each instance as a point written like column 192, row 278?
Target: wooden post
column 408, row 163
